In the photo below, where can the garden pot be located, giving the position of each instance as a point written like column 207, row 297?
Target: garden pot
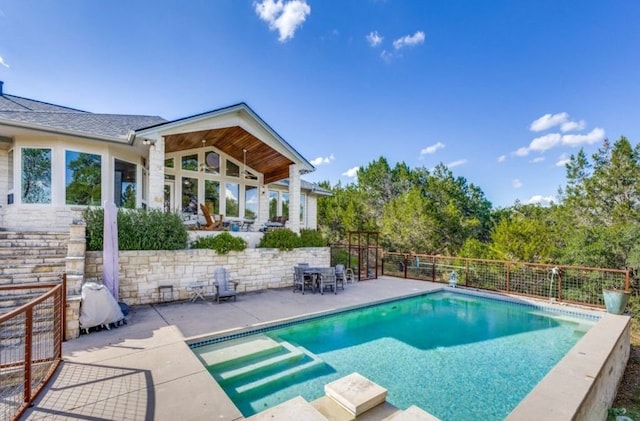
column 615, row 300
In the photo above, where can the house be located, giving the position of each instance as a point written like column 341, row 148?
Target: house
column 55, row 161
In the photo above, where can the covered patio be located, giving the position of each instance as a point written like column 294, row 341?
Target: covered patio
column 231, row 161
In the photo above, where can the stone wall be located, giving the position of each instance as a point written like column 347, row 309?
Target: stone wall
column 141, row 273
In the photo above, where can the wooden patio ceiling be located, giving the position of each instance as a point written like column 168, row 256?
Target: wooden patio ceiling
column 232, row 140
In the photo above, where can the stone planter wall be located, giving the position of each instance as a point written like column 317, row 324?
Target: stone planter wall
column 141, row 273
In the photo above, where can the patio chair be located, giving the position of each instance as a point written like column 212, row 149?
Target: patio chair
column 328, row 279
column 340, row 276
column 302, row 281
column 211, row 223
column 225, row 288
column 349, row 276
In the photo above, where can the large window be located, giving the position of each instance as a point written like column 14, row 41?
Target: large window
column 232, row 169
column 273, row 204
column 36, row 175
column 83, row 179
column 190, row 195
column 190, row 162
column 125, row 184
column 232, row 192
column 212, row 195
column 251, row 202
column 285, row 204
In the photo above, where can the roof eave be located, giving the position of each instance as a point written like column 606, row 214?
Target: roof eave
column 53, row 130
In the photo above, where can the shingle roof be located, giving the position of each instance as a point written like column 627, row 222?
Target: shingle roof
column 23, row 110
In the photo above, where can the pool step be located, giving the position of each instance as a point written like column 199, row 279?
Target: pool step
column 238, row 350
column 293, row 354
column 298, row 369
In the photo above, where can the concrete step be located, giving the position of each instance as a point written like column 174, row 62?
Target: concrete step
column 291, row 355
column 356, row 393
column 32, row 278
column 413, row 413
column 8, row 252
column 315, row 362
column 236, row 351
column 293, row 409
column 333, row 411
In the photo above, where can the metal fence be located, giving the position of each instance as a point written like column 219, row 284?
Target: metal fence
column 31, row 338
column 570, row 284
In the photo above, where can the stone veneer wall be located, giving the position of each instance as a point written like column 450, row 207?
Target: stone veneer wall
column 142, row 272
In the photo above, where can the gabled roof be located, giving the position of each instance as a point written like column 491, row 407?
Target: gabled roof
column 30, row 113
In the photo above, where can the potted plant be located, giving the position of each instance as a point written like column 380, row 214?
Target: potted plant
column 615, row 300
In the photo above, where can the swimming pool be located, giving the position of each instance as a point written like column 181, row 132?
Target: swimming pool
column 452, row 354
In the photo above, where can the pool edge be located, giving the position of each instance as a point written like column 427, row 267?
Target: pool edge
column 584, row 383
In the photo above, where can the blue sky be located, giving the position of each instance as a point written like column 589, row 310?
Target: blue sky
column 502, row 92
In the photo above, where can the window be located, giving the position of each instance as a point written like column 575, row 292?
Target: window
column 36, row 175
column 231, row 199
column 273, row 204
column 285, row 204
column 190, row 162
column 124, row 184
column 168, row 163
column 83, row 178
column 303, row 201
column 232, row 169
column 190, row 195
column 251, row 202
column 212, row 163
column 212, row 196
column 10, row 181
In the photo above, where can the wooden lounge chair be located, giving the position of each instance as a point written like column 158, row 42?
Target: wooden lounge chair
column 211, row 225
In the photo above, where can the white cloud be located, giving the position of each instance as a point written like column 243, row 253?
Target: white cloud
column 516, row 183
column 283, row 16
column 502, row 158
column 409, row 40
column 351, row 172
column 386, row 56
column 540, row 199
column 562, row 160
column 522, row 152
column 3, row 63
column 457, row 163
column 374, row 39
column 596, row 135
column 570, row 126
column 547, row 121
column 322, row 160
column 543, row 143
column 537, row 160
column 431, row 149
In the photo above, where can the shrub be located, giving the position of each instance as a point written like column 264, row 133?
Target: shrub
column 138, row 229
column 281, row 238
column 311, row 238
column 222, row 243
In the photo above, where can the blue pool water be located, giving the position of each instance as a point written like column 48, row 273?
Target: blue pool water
column 454, row 355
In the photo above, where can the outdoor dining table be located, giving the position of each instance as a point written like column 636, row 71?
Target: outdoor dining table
column 315, row 272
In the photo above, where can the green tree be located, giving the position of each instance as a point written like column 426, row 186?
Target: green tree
column 85, row 185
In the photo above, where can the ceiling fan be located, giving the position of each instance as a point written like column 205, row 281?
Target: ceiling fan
column 247, row 174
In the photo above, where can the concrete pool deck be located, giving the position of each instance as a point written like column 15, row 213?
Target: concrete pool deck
column 145, row 370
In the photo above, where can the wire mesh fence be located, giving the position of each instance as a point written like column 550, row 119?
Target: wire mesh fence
column 581, row 285
column 31, row 337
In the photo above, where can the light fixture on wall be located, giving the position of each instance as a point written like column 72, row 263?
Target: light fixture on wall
column 149, row 142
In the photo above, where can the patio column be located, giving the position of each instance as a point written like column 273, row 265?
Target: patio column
column 155, row 195
column 294, row 198
column 263, row 206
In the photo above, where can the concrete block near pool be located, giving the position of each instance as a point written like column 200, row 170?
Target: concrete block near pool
column 356, row 393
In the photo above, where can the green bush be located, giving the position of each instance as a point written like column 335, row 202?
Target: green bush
column 138, row 229
column 312, row 238
column 281, row 238
column 222, row 243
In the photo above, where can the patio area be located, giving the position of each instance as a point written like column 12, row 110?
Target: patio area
column 145, row 370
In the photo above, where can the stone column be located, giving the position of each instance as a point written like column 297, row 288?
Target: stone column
column 294, row 198
column 263, row 207
column 155, row 195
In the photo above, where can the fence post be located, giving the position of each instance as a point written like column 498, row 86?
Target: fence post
column 433, row 270
column 405, row 261
column 28, row 339
column 559, row 286
column 466, row 272
column 508, row 275
column 627, row 281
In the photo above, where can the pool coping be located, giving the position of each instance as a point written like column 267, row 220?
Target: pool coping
column 592, row 371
